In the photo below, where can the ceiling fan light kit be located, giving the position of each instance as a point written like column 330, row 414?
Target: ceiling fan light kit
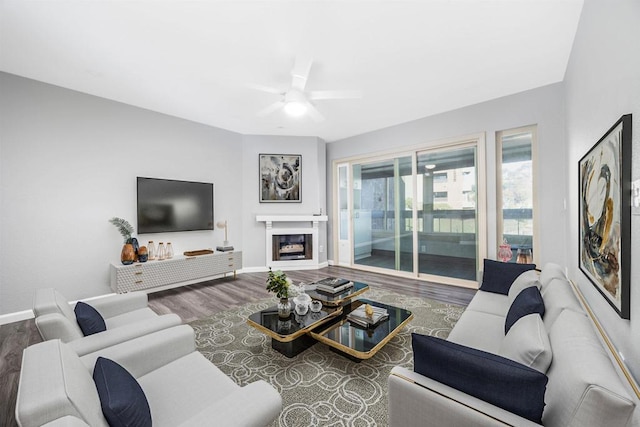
column 295, row 101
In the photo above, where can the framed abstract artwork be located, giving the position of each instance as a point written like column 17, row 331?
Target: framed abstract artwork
column 605, row 215
column 280, row 178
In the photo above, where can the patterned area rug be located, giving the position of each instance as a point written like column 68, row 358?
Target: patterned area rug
column 320, row 387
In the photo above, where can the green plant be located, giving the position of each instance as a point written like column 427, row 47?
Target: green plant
column 123, row 227
column 278, row 283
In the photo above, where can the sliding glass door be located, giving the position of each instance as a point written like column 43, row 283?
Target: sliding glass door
column 419, row 213
column 447, row 212
column 382, row 214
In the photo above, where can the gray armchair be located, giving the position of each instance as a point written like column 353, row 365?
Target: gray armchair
column 181, row 386
column 126, row 316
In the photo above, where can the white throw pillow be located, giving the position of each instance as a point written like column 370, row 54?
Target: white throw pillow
column 525, row 280
column 527, row 342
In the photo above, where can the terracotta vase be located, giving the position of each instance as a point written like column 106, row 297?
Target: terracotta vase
column 128, row 255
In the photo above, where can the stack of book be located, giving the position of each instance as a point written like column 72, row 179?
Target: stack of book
column 360, row 317
column 333, row 285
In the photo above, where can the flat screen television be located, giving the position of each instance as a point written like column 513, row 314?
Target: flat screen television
column 166, row 205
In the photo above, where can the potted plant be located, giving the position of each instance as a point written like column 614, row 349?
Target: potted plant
column 278, row 283
column 128, row 253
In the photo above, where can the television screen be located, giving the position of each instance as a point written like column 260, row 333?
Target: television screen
column 168, row 205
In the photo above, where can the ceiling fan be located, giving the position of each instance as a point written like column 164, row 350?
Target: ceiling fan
column 295, row 101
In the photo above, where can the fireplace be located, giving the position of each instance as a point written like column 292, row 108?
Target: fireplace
column 292, row 242
column 290, row 247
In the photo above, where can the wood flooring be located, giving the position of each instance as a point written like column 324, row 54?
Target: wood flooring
column 204, row 299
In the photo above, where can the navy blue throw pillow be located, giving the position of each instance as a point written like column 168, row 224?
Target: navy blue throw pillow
column 492, row 378
column 497, row 276
column 89, row 320
column 121, row 397
column 527, row 302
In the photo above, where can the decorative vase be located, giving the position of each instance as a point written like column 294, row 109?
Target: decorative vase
column 143, row 254
column 136, row 246
column 151, row 248
column 504, row 251
column 128, row 255
column 284, row 308
column 161, row 254
column 169, row 251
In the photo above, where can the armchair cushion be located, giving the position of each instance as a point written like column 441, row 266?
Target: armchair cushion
column 498, row 276
column 528, row 301
column 492, row 378
column 122, row 400
column 89, row 320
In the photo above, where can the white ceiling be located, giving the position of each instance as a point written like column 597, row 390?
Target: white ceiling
column 193, row 59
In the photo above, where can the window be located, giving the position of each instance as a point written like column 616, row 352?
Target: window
column 516, row 183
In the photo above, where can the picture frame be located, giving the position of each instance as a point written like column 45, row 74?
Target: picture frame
column 604, row 209
column 280, row 178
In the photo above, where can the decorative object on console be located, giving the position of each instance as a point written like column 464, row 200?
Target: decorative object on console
column 128, row 254
column 169, row 251
column 225, row 245
column 143, row 254
column 198, row 252
column 161, row 253
column 152, row 250
column 504, row 251
column 605, row 215
column 280, row 178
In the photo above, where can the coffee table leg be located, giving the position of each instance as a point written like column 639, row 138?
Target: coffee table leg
column 293, row 348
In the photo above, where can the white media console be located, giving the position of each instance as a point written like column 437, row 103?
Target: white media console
column 177, row 271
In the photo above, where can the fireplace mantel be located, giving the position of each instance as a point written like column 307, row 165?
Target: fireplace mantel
column 284, row 224
column 291, row 218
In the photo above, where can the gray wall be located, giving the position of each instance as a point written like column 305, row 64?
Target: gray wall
column 69, row 161
column 542, row 106
column 602, row 83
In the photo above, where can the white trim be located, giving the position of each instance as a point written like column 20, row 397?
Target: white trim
column 18, row 316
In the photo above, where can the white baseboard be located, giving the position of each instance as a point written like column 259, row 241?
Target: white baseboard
column 16, row 317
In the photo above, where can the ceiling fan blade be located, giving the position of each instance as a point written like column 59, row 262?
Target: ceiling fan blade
column 300, row 72
column 267, row 89
column 270, row 109
column 335, row 94
column 314, row 113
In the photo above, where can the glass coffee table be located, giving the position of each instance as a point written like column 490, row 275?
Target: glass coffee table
column 290, row 336
column 358, row 342
column 293, row 335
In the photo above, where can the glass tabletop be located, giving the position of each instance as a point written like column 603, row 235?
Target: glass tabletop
column 287, row 329
column 363, row 342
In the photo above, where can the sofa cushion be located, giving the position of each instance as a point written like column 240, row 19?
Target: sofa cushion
column 476, row 329
column 549, row 272
column 584, row 388
column 121, row 397
column 558, row 296
column 527, row 342
column 89, row 320
column 498, row 276
column 492, row 378
column 525, row 280
column 528, row 301
column 489, row 302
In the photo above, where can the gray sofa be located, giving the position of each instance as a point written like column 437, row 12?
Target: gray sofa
column 181, row 386
column 126, row 316
column 583, row 387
